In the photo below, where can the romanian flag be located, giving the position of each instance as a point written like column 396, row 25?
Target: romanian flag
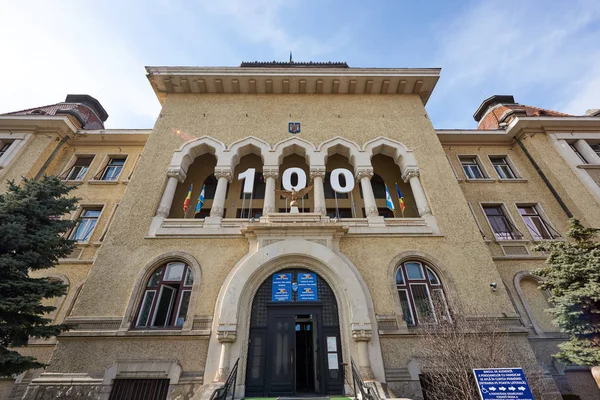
column 400, row 199
column 388, row 199
column 200, row 201
column 186, row 202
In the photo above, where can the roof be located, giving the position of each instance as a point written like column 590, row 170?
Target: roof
column 86, row 109
column 293, row 78
column 293, row 64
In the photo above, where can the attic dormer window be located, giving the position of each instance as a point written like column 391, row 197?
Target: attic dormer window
column 38, row 112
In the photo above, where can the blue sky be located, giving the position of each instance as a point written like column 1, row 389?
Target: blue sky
column 545, row 53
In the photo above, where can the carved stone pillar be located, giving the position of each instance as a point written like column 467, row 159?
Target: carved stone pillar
column 226, row 338
column 270, row 176
column 176, row 175
column 587, row 152
column 364, row 176
column 411, row 175
column 224, row 177
column 362, row 336
column 317, row 175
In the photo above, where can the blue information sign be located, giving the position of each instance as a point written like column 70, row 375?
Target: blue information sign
column 502, row 384
column 282, row 287
column 307, row 286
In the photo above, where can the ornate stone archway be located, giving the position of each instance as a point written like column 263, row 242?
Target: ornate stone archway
column 233, row 308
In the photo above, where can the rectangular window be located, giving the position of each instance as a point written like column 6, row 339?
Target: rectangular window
column 471, row 167
column 422, row 302
column 139, row 389
column 247, row 213
column 113, row 169
column 79, row 168
column 4, row 146
column 503, row 168
column 536, row 225
column 146, row 307
column 572, row 146
column 501, row 225
column 339, row 213
column 86, row 224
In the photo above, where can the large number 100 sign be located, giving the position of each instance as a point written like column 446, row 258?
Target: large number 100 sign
column 248, row 177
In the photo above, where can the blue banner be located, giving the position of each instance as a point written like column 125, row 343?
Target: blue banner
column 307, row 286
column 281, row 287
column 502, row 384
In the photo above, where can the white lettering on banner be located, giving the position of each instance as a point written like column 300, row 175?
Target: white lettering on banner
column 336, row 185
column 287, row 179
column 248, row 177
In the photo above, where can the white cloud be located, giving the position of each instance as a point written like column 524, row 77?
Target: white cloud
column 51, row 50
column 544, row 53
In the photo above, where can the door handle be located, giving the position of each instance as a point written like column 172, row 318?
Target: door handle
column 292, row 357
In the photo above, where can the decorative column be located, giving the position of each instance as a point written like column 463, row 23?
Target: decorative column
column 226, row 337
column 587, row 152
column 176, row 175
column 270, row 176
column 361, row 333
column 317, row 175
column 411, row 175
column 364, row 176
column 224, row 177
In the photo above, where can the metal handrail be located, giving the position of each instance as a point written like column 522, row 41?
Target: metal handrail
column 365, row 391
column 222, row 393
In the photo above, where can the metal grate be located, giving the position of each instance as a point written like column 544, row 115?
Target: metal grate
column 263, row 296
column 139, row 389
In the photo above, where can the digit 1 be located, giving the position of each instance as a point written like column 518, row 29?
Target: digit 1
column 334, row 180
column 248, row 177
column 287, row 178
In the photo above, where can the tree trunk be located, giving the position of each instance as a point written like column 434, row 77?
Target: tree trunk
column 596, row 375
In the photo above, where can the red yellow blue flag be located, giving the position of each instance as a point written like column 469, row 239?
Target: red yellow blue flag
column 186, row 202
column 400, row 199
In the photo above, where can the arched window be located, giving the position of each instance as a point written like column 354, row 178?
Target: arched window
column 166, row 297
column 421, row 294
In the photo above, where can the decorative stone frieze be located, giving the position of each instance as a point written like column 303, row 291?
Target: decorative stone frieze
column 410, row 172
column 177, row 172
column 362, row 333
column 270, row 173
column 364, row 173
column 223, row 173
column 317, row 172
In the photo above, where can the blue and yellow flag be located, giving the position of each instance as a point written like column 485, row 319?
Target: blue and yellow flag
column 388, row 199
column 400, row 199
column 200, row 201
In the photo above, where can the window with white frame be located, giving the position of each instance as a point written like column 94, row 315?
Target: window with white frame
column 501, row 225
column 86, row 223
column 166, row 297
column 113, row 169
column 421, row 294
column 4, row 146
column 572, row 146
column 80, row 168
column 535, row 223
column 471, row 167
column 502, row 167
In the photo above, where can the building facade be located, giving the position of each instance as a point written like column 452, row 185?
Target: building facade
column 287, row 296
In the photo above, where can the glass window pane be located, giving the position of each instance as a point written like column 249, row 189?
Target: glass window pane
column 189, row 278
column 146, row 307
column 414, row 270
column 91, row 213
column 183, row 308
column 440, row 305
column 422, row 301
column 399, row 277
column 433, row 279
column 162, row 315
column 153, row 281
column 174, row 272
column 406, row 310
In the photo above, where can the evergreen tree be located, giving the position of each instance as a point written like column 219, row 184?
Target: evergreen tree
column 31, row 238
column 572, row 275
